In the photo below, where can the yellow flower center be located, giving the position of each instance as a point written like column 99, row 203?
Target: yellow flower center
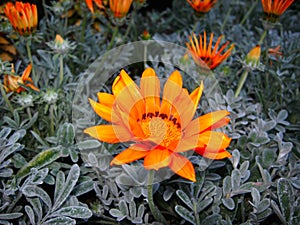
column 161, row 129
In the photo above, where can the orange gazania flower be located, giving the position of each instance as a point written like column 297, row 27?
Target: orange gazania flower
column 12, row 83
column 160, row 130
column 120, row 7
column 89, row 4
column 22, row 16
column 203, row 53
column 275, row 7
column 202, row 6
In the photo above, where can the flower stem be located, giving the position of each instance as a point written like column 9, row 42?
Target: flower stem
column 264, row 34
column 51, row 120
column 61, row 69
column 196, row 213
column 225, row 19
column 156, row 213
column 82, row 32
column 29, row 113
column 28, row 43
column 113, row 38
column 248, row 13
column 241, row 83
column 3, row 93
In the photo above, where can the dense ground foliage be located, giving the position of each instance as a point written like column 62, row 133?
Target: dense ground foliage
column 53, row 173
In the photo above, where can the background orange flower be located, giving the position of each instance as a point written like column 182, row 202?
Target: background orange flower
column 203, row 52
column 22, row 16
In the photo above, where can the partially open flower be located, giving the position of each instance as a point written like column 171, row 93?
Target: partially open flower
column 22, row 16
column 146, row 35
column 253, row 57
column 203, row 52
column 159, row 128
column 273, row 9
column 13, row 83
column 60, row 45
column 120, row 8
column 202, row 6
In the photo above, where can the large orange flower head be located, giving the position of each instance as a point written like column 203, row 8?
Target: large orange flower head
column 275, row 7
column 202, row 6
column 120, row 8
column 160, row 129
column 22, row 16
column 201, row 52
column 13, row 83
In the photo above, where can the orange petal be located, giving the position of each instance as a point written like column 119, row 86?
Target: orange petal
column 89, row 4
column 212, row 145
column 182, row 166
column 214, row 140
column 103, row 111
column 185, row 144
column 128, row 96
column 196, row 95
column 109, row 133
column 156, row 159
column 129, row 122
column 99, row 4
column 26, row 73
column 106, row 99
column 150, row 89
column 32, row 87
column 133, row 153
column 220, row 154
column 172, row 89
column 206, row 122
column 184, row 108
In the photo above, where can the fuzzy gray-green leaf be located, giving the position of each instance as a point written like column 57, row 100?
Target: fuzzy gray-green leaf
column 42, row 159
column 74, row 212
column 62, row 220
column 285, row 197
column 203, row 204
column 83, row 188
column 185, row 198
column 68, row 186
column 235, row 179
column 34, row 191
column 30, row 214
column 185, row 214
column 10, row 216
column 88, row 144
column 228, row 203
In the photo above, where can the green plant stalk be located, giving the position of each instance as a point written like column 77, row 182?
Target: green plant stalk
column 264, row 34
column 3, row 92
column 225, row 20
column 61, row 69
column 29, row 112
column 248, row 13
column 196, row 213
column 156, row 213
column 28, row 43
column 14, row 202
column 51, row 120
column 241, row 83
column 83, row 28
column 113, row 38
